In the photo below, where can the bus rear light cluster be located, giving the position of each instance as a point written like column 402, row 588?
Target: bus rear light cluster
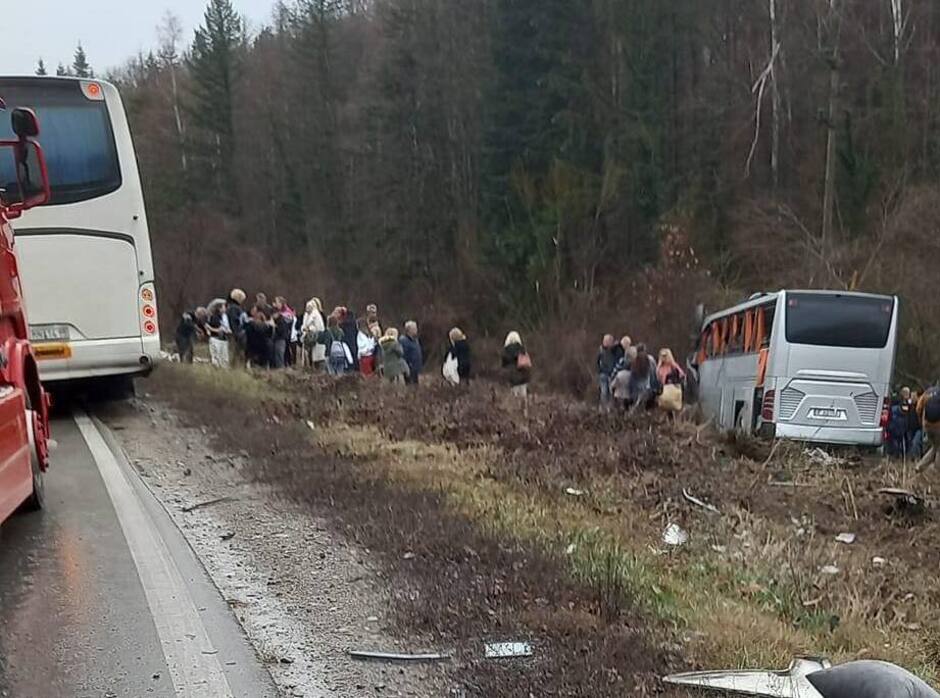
column 767, row 408
column 148, row 310
column 885, row 413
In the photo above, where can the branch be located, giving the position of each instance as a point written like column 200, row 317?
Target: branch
column 759, row 86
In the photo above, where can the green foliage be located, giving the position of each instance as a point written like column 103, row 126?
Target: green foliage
column 80, row 65
column 214, row 65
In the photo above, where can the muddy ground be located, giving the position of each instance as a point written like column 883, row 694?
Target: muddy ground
column 453, row 580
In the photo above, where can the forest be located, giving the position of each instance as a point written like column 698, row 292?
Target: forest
column 567, row 167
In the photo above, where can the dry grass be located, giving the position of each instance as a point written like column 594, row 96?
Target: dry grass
column 745, row 591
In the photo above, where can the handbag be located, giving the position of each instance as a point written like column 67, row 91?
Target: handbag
column 670, row 400
column 449, row 370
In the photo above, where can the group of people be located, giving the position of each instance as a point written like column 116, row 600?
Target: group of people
column 631, row 378
column 274, row 336
column 912, row 418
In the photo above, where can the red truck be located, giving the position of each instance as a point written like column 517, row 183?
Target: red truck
column 24, row 405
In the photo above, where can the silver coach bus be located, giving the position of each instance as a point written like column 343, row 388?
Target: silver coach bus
column 804, row 365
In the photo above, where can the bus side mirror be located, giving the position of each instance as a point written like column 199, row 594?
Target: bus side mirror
column 25, row 123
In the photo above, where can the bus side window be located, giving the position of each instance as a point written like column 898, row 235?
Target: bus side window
column 701, row 351
column 769, row 313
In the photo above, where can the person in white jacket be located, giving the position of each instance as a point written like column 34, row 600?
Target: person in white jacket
column 313, row 326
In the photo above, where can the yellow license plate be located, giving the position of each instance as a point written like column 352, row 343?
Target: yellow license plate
column 52, row 350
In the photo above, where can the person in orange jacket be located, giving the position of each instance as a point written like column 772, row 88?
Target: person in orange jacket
column 928, row 411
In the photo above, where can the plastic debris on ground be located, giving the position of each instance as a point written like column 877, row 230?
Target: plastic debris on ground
column 829, row 569
column 818, row 456
column 846, row 538
column 574, row 492
column 699, row 503
column 399, row 656
column 878, row 561
column 675, row 536
column 502, row 650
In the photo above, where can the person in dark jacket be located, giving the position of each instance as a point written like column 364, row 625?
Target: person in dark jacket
column 644, row 385
column 414, row 355
column 350, row 328
column 186, row 333
column 517, row 366
column 259, row 339
column 460, row 350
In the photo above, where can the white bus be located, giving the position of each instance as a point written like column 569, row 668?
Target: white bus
column 85, row 256
column 804, row 365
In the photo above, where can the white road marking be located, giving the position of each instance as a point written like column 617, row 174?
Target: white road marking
column 192, row 660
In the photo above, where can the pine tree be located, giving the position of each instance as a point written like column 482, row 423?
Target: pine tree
column 80, row 66
column 41, row 68
column 214, row 67
column 61, row 71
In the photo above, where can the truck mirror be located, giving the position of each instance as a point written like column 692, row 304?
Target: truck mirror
column 25, row 123
column 24, row 181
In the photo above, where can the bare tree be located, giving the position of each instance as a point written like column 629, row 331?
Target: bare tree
column 830, row 38
column 170, row 32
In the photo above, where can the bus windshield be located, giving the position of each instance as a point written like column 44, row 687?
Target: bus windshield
column 76, row 137
column 836, row 320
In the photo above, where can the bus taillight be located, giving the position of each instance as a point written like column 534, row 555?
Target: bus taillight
column 885, row 412
column 150, row 327
column 767, row 408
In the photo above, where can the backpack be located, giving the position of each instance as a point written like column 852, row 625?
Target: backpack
column 338, row 351
column 524, row 362
column 932, row 408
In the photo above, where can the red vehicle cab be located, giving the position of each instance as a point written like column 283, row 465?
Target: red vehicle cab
column 24, row 405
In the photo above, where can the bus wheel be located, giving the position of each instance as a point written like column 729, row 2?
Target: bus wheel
column 119, row 388
column 37, row 499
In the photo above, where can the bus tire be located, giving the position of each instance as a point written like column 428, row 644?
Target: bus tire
column 36, row 500
column 119, row 388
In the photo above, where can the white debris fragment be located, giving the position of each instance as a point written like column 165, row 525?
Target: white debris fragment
column 570, row 549
column 675, row 536
column 574, row 493
column 878, row 561
column 818, row 456
column 829, row 569
column 501, row 650
column 847, row 538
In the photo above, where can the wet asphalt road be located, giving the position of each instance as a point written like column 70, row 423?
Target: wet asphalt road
column 75, row 619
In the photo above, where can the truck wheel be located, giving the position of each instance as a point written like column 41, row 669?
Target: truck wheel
column 37, row 499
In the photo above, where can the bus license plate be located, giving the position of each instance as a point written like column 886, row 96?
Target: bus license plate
column 49, row 333
column 52, row 350
column 828, row 413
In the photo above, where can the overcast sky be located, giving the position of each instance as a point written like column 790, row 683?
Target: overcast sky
column 110, row 30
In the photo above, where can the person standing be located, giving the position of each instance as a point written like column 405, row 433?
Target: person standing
column 517, row 365
column 394, row 367
column 372, row 319
column 460, row 350
column 237, row 318
column 217, row 327
column 606, row 363
column 928, row 412
column 414, row 355
column 365, row 349
column 350, row 328
column 644, row 383
column 312, row 328
column 339, row 357
column 259, row 339
column 186, row 337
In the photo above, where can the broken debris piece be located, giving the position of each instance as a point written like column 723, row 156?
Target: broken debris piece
column 399, row 656
column 501, row 650
column 829, row 569
column 571, row 491
column 846, row 538
column 675, row 536
column 699, row 503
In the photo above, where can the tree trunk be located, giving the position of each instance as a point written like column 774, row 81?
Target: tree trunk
column 775, row 101
column 830, row 175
